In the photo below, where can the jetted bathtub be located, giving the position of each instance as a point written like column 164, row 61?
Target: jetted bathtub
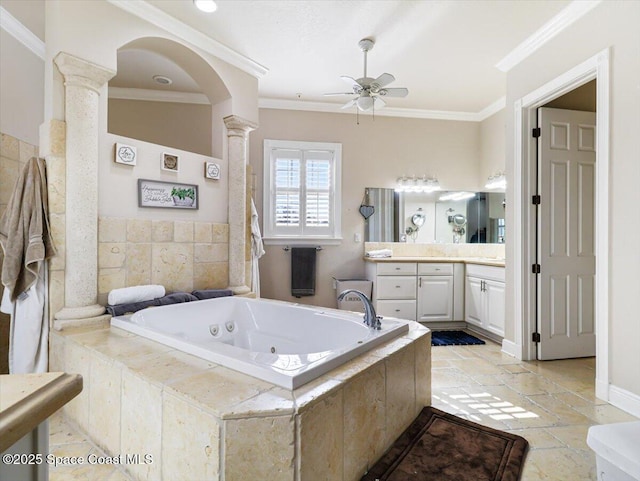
column 282, row 343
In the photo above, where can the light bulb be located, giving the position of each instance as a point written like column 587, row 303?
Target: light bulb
column 208, row 6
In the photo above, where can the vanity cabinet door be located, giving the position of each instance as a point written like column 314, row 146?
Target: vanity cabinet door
column 494, row 293
column 474, row 301
column 435, row 298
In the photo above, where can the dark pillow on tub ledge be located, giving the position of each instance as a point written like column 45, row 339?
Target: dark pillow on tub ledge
column 212, row 293
column 176, row 298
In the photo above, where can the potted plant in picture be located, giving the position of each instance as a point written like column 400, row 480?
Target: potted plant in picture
column 183, row 197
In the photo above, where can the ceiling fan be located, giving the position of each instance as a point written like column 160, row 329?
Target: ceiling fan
column 369, row 90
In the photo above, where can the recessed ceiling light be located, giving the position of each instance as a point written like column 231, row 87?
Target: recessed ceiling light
column 208, row 6
column 162, row 80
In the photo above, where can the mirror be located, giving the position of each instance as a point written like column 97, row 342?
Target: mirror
column 418, row 219
column 444, row 217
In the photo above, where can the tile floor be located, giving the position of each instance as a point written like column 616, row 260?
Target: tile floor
column 550, row 403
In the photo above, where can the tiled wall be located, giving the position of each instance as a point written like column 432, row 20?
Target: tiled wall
column 180, row 255
column 14, row 153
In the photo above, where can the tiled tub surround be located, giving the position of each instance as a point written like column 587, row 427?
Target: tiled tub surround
column 203, row 421
column 180, row 255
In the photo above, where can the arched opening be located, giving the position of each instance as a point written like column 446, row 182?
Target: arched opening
column 165, row 94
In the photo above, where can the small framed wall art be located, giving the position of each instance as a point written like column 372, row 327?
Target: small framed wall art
column 170, row 162
column 126, row 154
column 212, row 170
column 156, row 193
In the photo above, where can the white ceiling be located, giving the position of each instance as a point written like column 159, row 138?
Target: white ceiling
column 444, row 52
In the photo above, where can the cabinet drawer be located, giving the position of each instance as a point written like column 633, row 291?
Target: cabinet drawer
column 486, row 272
column 396, row 287
column 435, row 269
column 401, row 309
column 396, row 268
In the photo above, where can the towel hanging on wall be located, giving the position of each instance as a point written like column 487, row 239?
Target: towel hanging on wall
column 303, row 271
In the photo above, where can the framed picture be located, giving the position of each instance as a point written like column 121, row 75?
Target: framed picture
column 126, row 154
column 212, row 170
column 155, row 193
column 169, row 162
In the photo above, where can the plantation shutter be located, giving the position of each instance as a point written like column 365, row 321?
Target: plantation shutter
column 301, row 190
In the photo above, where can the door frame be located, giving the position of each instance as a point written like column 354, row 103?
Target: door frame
column 524, row 175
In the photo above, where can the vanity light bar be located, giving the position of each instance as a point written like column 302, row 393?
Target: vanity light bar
column 424, row 184
column 497, row 181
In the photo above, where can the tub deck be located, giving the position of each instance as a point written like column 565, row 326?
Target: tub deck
column 199, row 420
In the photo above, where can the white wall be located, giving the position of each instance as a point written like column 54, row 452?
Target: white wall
column 182, row 126
column 374, row 154
column 21, row 90
column 492, row 141
column 611, row 25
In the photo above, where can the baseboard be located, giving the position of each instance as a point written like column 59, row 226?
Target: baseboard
column 625, row 400
column 489, row 335
column 511, row 348
column 602, row 390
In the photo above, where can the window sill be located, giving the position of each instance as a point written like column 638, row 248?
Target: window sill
column 302, row 241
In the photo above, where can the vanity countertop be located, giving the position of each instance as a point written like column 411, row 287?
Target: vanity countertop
column 487, row 261
column 28, row 399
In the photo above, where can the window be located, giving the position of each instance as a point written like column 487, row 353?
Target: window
column 302, row 191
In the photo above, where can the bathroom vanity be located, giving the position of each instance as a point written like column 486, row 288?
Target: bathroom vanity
column 441, row 291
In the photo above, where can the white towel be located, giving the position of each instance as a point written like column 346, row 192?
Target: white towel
column 135, row 294
column 379, row 253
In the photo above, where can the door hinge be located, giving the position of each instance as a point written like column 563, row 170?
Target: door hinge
column 536, row 132
column 535, row 199
column 535, row 268
column 535, row 337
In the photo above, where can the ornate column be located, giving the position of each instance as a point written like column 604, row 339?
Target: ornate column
column 83, row 81
column 237, row 133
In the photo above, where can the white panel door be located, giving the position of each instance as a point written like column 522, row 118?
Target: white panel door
column 435, row 298
column 566, row 250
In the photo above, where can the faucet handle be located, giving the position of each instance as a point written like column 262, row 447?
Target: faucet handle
column 377, row 324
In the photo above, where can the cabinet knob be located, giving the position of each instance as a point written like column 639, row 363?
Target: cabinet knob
column 397, row 287
column 397, row 310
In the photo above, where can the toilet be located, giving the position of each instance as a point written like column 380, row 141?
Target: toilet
column 617, row 448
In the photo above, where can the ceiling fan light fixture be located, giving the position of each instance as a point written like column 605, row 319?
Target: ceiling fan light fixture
column 207, row 6
column 365, row 103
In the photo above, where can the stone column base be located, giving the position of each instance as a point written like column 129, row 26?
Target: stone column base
column 239, row 290
column 84, row 312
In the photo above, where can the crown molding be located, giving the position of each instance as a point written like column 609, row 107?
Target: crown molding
column 492, row 108
column 282, row 104
column 22, row 34
column 163, row 20
column 573, row 12
column 158, row 96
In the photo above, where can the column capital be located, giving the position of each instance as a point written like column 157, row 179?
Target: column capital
column 238, row 127
column 81, row 73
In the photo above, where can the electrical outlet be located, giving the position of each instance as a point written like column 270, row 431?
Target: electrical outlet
column 357, row 237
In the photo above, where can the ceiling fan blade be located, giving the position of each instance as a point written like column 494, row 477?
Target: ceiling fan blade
column 383, row 80
column 351, row 81
column 378, row 103
column 397, row 92
column 350, row 103
column 338, row 93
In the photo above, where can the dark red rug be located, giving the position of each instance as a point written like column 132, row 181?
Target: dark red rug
column 442, row 447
